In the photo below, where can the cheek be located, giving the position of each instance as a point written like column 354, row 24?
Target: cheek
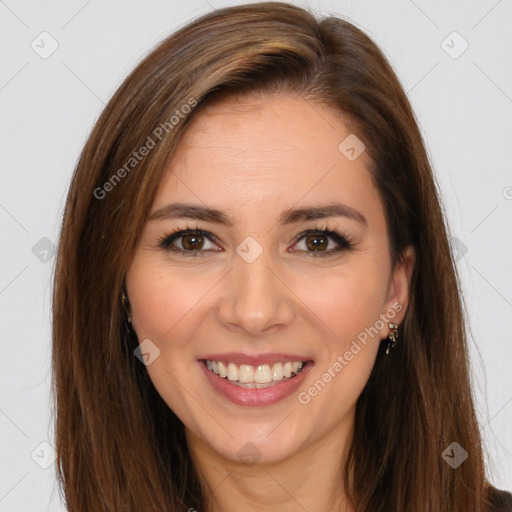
column 162, row 300
column 347, row 301
column 164, row 307
column 348, row 306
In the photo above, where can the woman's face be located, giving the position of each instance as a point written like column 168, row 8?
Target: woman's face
column 254, row 290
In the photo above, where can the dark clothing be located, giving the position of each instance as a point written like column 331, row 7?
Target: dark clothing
column 501, row 500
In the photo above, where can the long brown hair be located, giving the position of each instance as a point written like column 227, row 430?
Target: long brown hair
column 119, row 445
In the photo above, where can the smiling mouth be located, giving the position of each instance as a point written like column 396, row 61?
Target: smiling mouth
column 255, row 376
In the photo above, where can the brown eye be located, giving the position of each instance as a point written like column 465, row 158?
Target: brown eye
column 189, row 242
column 322, row 243
column 317, row 242
column 193, row 242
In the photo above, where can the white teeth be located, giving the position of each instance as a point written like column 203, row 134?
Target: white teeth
column 222, row 369
column 261, row 374
column 295, row 367
column 277, row 371
column 232, row 371
column 246, row 373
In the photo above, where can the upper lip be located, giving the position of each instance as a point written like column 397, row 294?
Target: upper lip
column 255, row 360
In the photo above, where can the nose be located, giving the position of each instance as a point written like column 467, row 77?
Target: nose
column 255, row 298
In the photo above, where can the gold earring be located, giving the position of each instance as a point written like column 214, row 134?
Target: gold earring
column 392, row 336
column 125, row 307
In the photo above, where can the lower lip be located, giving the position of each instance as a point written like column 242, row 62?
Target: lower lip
column 253, row 396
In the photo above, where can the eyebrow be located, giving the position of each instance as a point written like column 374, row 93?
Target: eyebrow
column 290, row 216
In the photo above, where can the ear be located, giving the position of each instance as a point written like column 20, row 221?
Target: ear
column 397, row 300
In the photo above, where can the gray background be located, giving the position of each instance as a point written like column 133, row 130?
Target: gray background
column 463, row 102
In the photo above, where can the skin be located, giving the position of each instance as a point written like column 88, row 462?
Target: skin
column 254, row 158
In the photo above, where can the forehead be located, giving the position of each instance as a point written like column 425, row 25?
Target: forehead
column 274, row 151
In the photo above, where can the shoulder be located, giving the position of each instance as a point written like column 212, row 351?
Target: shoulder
column 501, row 501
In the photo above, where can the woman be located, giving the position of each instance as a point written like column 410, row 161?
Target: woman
column 255, row 303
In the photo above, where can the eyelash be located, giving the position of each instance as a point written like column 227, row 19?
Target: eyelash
column 344, row 242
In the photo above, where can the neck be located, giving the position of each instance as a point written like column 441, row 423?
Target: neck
column 311, row 479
